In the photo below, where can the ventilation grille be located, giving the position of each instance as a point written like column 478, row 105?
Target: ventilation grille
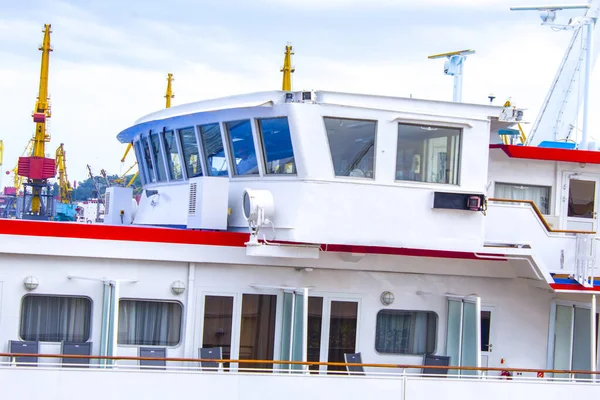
column 192, row 203
column 107, row 203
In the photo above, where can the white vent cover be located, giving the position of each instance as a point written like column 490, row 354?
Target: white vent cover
column 192, row 199
column 208, row 203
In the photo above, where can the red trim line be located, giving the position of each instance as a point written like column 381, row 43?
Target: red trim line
column 566, row 286
column 183, row 236
column 549, row 154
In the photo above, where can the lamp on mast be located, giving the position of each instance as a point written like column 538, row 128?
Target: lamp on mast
column 454, row 67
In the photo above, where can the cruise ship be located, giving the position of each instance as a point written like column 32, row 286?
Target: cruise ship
column 304, row 244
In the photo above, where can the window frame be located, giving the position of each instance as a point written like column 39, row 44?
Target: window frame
column 232, row 164
column 263, row 150
column 181, row 322
column 170, row 171
column 146, row 142
column 362, row 178
column 550, row 193
column 433, row 125
column 91, row 315
column 435, row 335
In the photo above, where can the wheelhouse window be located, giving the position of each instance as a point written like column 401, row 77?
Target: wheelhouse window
column 172, row 151
column 352, row 146
column 55, row 318
column 428, row 154
column 137, row 146
column 191, row 156
column 277, row 145
column 405, row 332
column 214, row 151
column 148, row 159
column 160, row 164
column 242, row 147
column 540, row 195
column 149, row 323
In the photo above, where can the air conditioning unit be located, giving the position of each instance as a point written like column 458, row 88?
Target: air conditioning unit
column 118, row 206
column 208, row 204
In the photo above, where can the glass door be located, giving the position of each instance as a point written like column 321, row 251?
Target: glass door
column 292, row 329
column 343, row 321
column 487, row 337
column 218, row 324
column 462, row 340
column 581, row 202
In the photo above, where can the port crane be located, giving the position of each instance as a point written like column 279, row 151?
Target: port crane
column 65, row 209
column 38, row 168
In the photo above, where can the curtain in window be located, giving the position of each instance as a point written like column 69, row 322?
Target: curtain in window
column 55, row 319
column 540, row 195
column 405, row 332
column 149, row 323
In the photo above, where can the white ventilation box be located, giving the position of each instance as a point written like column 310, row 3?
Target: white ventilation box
column 208, row 203
column 118, row 206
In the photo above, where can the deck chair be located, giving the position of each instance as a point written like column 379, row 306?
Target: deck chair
column 215, row 353
column 354, row 358
column 24, row 347
column 432, row 359
column 158, row 352
column 80, row 349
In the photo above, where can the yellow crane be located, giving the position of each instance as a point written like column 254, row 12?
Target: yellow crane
column 65, row 191
column 37, row 168
column 287, row 69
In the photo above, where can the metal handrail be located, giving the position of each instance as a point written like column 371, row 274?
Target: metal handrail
column 309, row 363
column 541, row 216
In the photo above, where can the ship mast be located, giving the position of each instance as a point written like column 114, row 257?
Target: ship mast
column 169, row 95
column 287, row 69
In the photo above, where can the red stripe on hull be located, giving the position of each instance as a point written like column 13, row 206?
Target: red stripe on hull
column 549, row 154
column 566, row 286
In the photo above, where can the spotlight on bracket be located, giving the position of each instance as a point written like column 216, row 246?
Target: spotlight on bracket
column 258, row 207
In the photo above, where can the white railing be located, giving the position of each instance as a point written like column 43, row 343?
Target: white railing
column 585, row 259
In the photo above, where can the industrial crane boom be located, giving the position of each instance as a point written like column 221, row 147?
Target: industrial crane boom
column 42, row 105
column 64, row 186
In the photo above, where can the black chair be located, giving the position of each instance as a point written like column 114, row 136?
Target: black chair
column 435, row 360
column 79, row 349
column 25, row 347
column 354, row 358
column 154, row 352
column 210, row 353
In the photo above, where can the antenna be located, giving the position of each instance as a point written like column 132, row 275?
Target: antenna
column 454, row 67
column 548, row 16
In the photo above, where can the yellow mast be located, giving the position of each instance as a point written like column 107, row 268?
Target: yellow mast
column 287, row 69
column 169, row 95
column 40, row 113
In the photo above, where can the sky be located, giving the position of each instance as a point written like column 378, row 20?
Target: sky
column 111, row 59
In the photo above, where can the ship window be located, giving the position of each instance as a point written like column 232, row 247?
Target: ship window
column 148, row 158
column 428, row 154
column 218, row 322
column 55, row 318
column 540, row 195
column 160, row 165
column 190, row 152
column 138, row 155
column 214, row 152
column 277, row 145
column 149, row 323
column 406, row 332
column 352, row 146
column 242, row 146
column 257, row 336
column 175, row 172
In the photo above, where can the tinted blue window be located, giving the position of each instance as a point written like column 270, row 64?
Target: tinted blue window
column 242, row 146
column 216, row 162
column 277, row 143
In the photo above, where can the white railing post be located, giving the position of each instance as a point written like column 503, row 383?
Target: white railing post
column 593, row 337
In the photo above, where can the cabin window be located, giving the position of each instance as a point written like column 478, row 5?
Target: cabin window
column 149, row 323
column 352, row 146
column 428, row 154
column 190, row 152
column 277, row 145
column 137, row 146
column 172, row 151
column 540, row 195
column 158, row 157
column 257, row 336
column 218, row 321
column 405, row 332
column 242, row 147
column 148, row 159
column 55, row 318
column 214, row 152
